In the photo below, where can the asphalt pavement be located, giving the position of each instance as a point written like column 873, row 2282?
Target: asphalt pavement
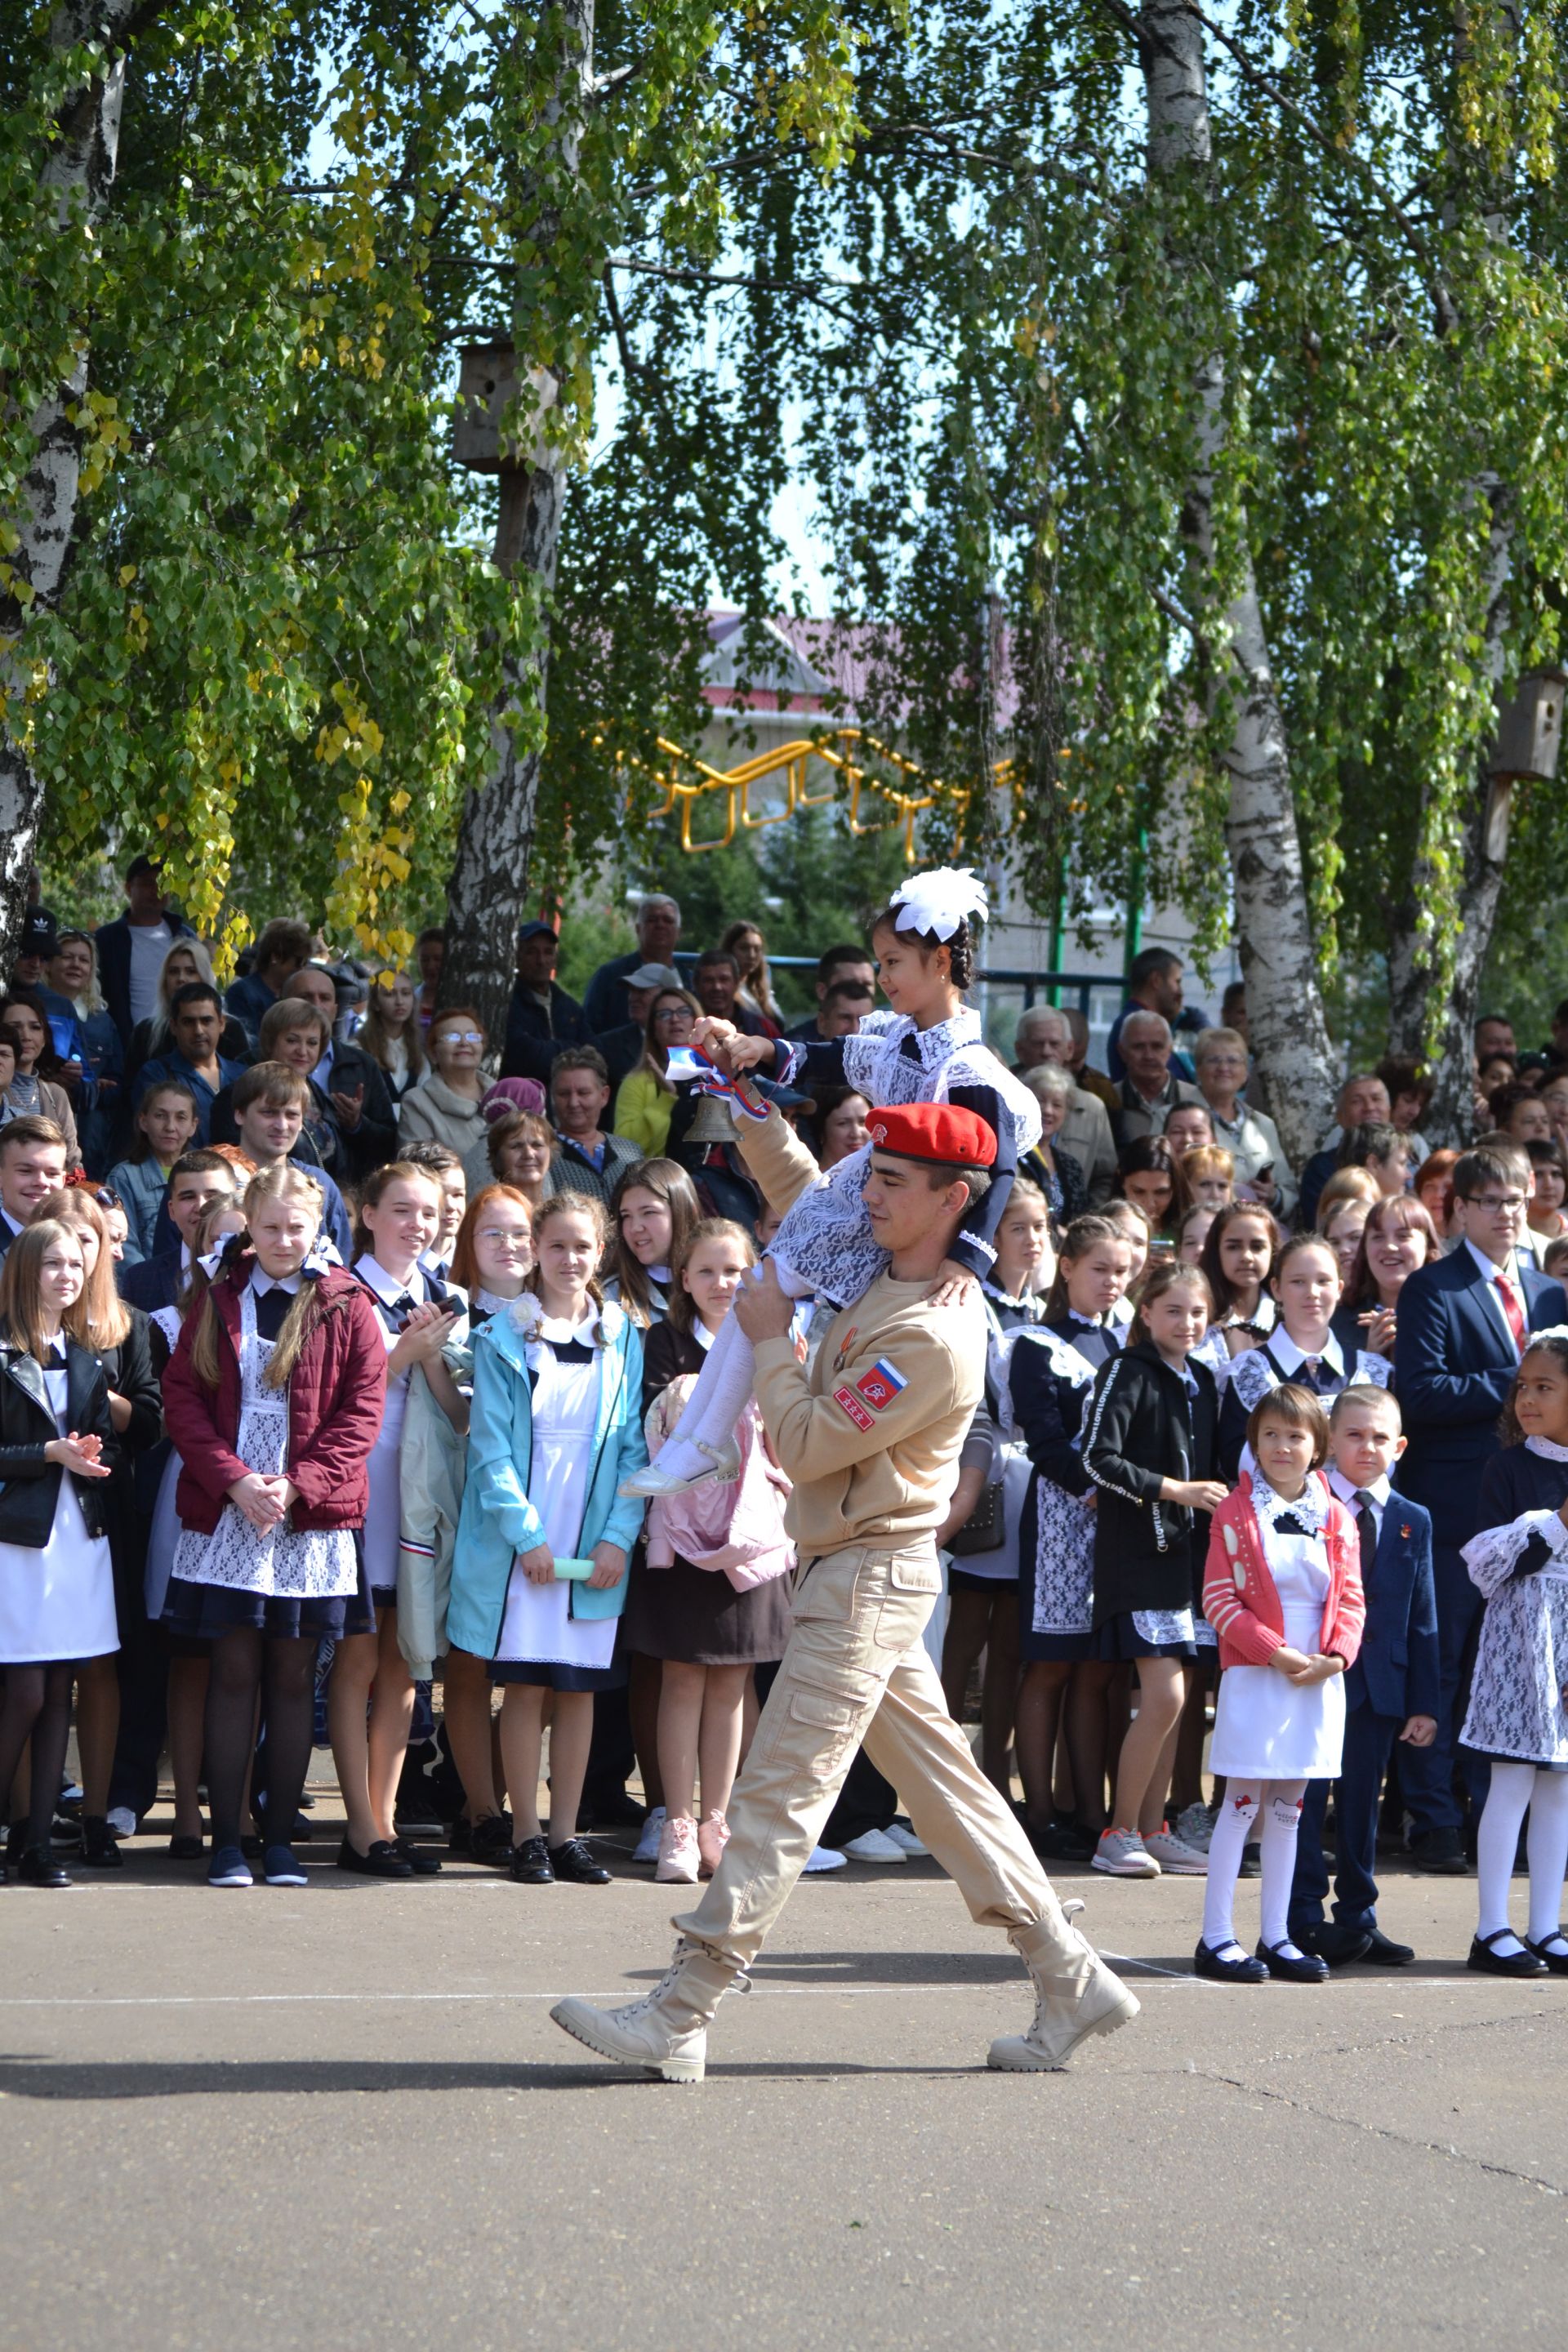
column 340, row 2117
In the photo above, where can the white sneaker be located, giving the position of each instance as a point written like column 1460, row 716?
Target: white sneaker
column 722, row 1463
column 1194, row 1827
column 824, row 1857
column 1123, row 1853
column 1174, row 1856
column 906, row 1841
column 647, row 1846
column 122, row 1821
column 874, row 1845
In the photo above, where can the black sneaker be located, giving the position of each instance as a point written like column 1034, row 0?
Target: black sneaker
column 573, row 1863
column 530, row 1863
column 383, row 1861
column 99, row 1850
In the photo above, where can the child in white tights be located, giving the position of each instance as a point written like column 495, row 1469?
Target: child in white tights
column 1283, row 1593
column 1516, row 1715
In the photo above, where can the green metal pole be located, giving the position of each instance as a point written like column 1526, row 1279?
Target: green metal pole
column 1134, row 931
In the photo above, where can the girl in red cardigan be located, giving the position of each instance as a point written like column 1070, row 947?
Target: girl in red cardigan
column 273, row 1398
column 1283, row 1593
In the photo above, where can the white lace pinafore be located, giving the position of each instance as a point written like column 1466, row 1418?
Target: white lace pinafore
column 320, row 1564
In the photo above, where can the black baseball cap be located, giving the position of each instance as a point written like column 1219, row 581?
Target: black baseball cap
column 38, row 933
column 535, row 931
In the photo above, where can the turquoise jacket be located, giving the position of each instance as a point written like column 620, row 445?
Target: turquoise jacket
column 497, row 1519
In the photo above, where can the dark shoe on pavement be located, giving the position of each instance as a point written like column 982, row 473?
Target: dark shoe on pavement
column 228, row 1867
column 1061, row 1841
column 1488, row 1961
column 382, row 1861
column 423, row 1865
column 573, row 1863
column 1438, row 1853
column 1235, row 1968
column 1302, row 1967
column 1552, row 1950
column 1338, row 1946
column 282, row 1866
column 98, row 1849
column 186, row 1849
column 1382, row 1952
column 530, row 1863
column 614, row 1811
column 38, row 1867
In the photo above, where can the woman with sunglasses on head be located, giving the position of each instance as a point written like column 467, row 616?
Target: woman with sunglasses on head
column 644, row 1101
column 446, row 1107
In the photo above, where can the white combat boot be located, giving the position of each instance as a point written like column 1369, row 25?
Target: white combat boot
column 1073, row 1999
column 666, row 2032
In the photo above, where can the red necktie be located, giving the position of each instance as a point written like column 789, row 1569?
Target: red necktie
column 1512, row 1310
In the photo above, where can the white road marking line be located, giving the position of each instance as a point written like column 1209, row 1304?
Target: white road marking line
column 622, row 1992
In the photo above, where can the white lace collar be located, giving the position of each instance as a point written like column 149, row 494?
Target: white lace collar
column 1547, row 1447
column 940, row 1043
column 1310, row 1506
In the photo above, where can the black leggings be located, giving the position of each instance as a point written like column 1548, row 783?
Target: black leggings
column 248, row 1665
column 35, row 1705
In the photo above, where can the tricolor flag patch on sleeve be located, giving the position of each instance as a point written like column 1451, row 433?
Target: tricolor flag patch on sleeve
column 851, row 1404
column 881, row 1384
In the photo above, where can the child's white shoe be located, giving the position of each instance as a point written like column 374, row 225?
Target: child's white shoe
column 723, row 1463
column 678, row 1851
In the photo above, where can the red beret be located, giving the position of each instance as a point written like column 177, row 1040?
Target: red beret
column 942, row 1133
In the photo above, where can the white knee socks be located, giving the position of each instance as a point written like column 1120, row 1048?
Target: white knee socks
column 1548, row 1852
column 1229, row 1836
column 724, row 1385
column 1496, row 1841
column 1281, row 1820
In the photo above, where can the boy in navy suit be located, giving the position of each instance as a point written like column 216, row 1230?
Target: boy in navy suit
column 1461, row 1327
column 1390, row 1692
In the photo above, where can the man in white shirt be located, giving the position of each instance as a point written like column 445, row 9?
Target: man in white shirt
column 32, row 1166
column 131, row 949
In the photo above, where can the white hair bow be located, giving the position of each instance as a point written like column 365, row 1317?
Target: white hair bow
column 936, row 903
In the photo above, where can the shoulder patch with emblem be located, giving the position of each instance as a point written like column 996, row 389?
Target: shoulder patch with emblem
column 881, row 1384
column 846, row 1400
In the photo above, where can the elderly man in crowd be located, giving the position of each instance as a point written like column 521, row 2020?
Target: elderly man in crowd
column 658, row 932
column 1150, row 1090
column 1045, row 1035
column 1361, row 1101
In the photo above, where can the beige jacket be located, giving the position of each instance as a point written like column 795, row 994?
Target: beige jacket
column 869, row 1437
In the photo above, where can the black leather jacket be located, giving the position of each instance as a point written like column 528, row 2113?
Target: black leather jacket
column 31, row 1486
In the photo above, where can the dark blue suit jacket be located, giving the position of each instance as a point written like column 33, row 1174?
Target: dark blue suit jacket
column 1453, row 1368
column 153, row 1282
column 1395, row 1671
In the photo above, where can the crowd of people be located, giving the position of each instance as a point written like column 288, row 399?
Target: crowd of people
column 358, row 1366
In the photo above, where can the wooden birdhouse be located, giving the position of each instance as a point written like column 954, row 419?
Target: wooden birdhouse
column 489, row 384
column 1529, row 731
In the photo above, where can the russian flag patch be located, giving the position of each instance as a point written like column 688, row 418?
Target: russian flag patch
column 881, row 1384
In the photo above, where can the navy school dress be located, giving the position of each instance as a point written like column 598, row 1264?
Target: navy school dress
column 1051, row 1371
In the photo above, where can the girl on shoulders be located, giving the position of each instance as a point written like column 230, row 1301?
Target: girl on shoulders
column 1050, row 1376
column 1283, row 1593
column 370, row 1700
column 540, row 1568
column 711, row 1601
column 1518, row 1714
column 1306, row 1284
column 57, row 1581
column 273, row 1399
column 654, row 1210
column 1150, row 1449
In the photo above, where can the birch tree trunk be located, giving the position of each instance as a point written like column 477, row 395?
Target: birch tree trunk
column 1284, row 1005
column 487, row 892
column 74, row 180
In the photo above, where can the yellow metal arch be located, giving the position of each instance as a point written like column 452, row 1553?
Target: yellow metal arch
column 688, row 780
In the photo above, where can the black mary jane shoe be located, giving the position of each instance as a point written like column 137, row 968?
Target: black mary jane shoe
column 1338, row 1947
column 1557, row 1962
column 382, row 1861
column 530, row 1863
column 99, row 1850
column 423, row 1865
column 573, row 1863
column 1242, row 1970
column 38, row 1867
column 1488, row 1961
column 1305, row 1969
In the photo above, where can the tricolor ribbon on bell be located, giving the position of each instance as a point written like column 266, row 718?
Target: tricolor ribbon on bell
column 684, row 1064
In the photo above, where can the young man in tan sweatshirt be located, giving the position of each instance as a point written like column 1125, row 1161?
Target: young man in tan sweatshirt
column 870, row 1438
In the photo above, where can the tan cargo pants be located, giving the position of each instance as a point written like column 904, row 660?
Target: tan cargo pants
column 856, row 1671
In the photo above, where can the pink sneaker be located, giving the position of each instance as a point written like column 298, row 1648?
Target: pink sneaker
column 678, row 1850
column 712, row 1837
